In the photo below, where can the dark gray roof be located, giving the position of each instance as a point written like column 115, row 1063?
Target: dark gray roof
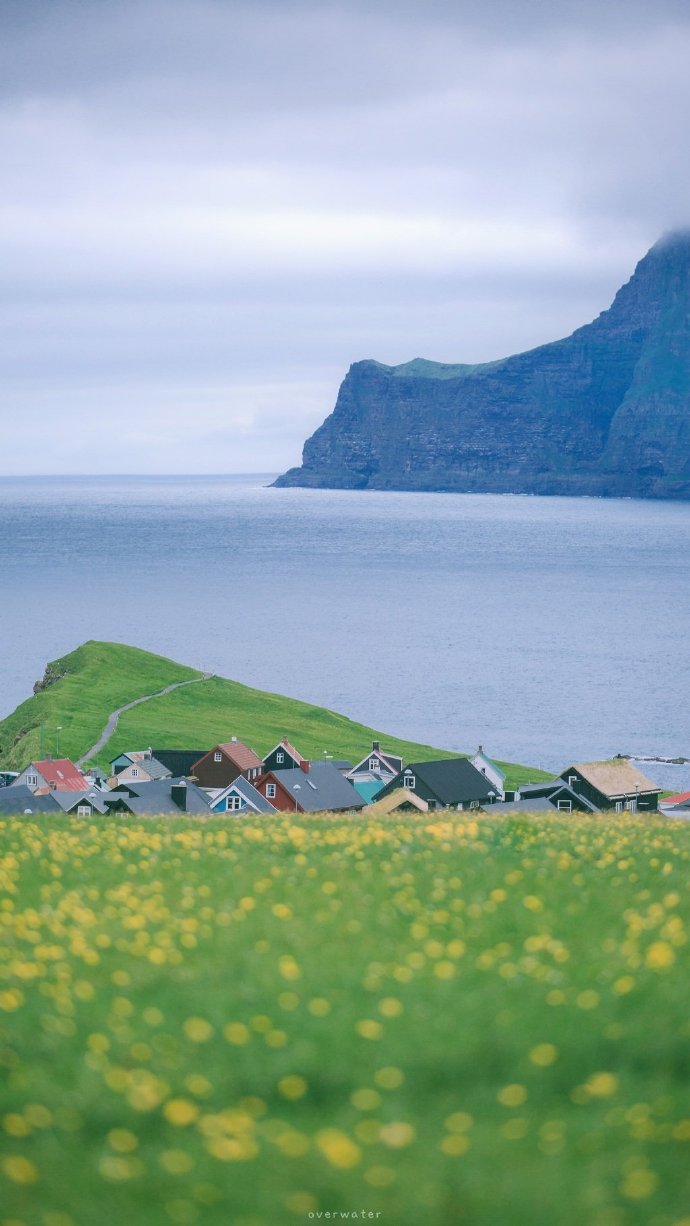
column 15, row 800
column 69, row 800
column 179, row 761
column 453, row 780
column 156, row 798
column 552, row 789
column 537, row 805
column 253, row 797
column 323, row 788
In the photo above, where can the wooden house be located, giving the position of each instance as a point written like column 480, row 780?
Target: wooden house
column 52, row 775
column 283, row 757
column 318, row 787
column 616, row 784
column 447, row 783
column 224, row 763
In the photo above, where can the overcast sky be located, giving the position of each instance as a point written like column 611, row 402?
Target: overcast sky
column 209, row 210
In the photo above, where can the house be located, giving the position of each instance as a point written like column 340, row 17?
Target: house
column 82, row 804
column 283, row 757
column 538, row 804
column 616, row 784
column 241, row 797
column 8, row 777
column 677, row 805
column 341, row 764
column 557, row 793
column 224, row 763
column 139, row 765
column 447, row 783
column 17, row 800
column 490, row 770
column 399, row 801
column 178, row 761
column 159, row 798
column 374, row 771
column 52, row 775
column 318, row 787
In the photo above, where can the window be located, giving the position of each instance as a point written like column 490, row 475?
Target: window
column 373, row 764
column 31, row 781
column 217, row 757
column 565, row 806
column 135, row 772
column 408, row 780
column 234, row 803
column 83, row 810
column 270, row 791
column 474, row 804
column 619, row 806
column 280, row 756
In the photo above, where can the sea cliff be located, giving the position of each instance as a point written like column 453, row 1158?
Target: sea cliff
column 605, row 411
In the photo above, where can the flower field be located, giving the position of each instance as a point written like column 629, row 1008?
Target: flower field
column 265, row 1022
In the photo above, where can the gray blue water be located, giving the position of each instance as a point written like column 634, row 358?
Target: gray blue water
column 549, row 629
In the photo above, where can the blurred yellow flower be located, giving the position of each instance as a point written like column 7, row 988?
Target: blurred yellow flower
column 339, row 1149
column 122, row 1140
column 197, row 1029
column 512, row 1095
column 543, row 1054
column 455, row 1144
column 19, row 1169
column 659, row 956
column 292, row 1086
column 389, row 1078
column 180, row 1111
column 390, row 1006
column 237, row 1033
column 365, row 1099
column 369, row 1029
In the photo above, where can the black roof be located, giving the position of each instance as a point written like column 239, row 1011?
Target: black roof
column 18, row 799
column 155, row 798
column 452, row 780
column 179, row 761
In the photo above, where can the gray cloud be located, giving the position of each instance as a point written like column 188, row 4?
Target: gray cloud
column 208, row 210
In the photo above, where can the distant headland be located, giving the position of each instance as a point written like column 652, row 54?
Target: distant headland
column 604, row 412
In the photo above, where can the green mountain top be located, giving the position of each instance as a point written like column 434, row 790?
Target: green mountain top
column 81, row 690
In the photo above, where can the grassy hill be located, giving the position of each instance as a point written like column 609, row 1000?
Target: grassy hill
column 84, row 687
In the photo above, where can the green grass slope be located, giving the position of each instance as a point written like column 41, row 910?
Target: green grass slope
column 82, row 689
column 97, row 678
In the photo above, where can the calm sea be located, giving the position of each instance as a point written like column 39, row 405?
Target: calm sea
column 549, row 629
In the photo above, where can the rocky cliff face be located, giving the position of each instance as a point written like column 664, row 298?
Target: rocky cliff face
column 605, row 411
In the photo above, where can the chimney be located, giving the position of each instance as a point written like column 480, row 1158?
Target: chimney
column 233, row 739
column 178, row 794
column 480, row 749
column 305, row 766
column 376, row 746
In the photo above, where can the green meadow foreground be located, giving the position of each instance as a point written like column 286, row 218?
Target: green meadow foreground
column 258, row 1022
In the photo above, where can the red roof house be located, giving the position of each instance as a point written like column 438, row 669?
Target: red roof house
column 53, row 775
column 224, row 763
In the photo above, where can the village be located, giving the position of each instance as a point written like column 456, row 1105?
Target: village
column 231, row 778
